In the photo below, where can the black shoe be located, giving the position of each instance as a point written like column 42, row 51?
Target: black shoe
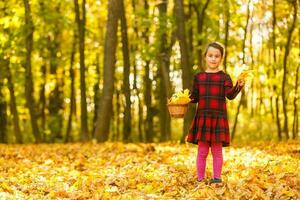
column 215, row 180
column 200, row 180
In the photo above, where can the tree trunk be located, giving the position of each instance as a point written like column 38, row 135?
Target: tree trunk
column 164, row 60
column 277, row 118
column 117, row 110
column 148, row 86
column 13, row 105
column 104, row 111
column 243, row 100
column 235, row 120
column 227, row 16
column 295, row 122
column 42, row 100
column 3, row 113
column 261, row 104
column 164, row 64
column 137, row 91
column 164, row 117
column 141, row 119
column 56, row 96
column 97, row 93
column 29, row 91
column 252, row 65
column 83, row 104
column 140, row 108
column 275, row 71
column 148, row 102
column 5, row 63
column 185, row 63
column 200, row 24
column 252, row 98
column 245, row 31
column 190, row 31
column 285, row 71
column 126, row 73
column 270, row 86
column 72, row 95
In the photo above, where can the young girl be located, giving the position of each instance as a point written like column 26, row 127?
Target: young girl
column 209, row 127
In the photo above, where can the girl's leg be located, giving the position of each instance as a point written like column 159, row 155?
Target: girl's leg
column 216, row 150
column 201, row 159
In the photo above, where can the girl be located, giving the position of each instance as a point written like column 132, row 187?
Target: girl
column 209, row 127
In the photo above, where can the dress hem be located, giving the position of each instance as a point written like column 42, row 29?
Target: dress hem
column 224, row 144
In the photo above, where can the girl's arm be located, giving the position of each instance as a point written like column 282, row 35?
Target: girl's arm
column 194, row 91
column 231, row 91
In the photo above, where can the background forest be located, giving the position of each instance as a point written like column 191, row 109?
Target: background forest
column 103, row 70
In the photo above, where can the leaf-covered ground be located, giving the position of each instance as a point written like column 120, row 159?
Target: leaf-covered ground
column 146, row 171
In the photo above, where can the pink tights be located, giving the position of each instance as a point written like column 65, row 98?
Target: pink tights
column 216, row 149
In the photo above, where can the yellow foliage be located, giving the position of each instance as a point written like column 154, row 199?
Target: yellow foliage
column 181, row 97
column 245, row 75
column 146, row 171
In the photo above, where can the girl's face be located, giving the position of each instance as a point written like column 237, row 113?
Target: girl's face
column 213, row 59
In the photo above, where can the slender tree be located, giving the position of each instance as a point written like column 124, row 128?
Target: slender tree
column 96, row 93
column 134, row 50
column 296, row 122
column 42, row 98
column 6, row 69
column 105, row 105
column 285, row 70
column 55, row 106
column 243, row 99
column 118, row 119
column 81, row 34
column 163, row 71
column 3, row 111
column 42, row 102
column 126, row 73
column 190, row 30
column 227, row 18
column 184, row 59
column 275, row 71
column 200, row 12
column 29, row 90
column 148, row 83
column 72, row 95
column 13, row 104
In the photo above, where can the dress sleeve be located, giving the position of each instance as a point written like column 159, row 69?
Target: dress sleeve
column 194, row 91
column 231, row 91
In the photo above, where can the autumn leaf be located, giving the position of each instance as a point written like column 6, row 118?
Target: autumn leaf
column 146, row 171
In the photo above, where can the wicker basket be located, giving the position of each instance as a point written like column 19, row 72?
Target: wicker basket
column 177, row 110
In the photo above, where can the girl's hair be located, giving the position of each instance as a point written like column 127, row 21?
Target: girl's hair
column 216, row 45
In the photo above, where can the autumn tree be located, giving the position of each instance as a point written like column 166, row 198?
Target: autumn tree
column 29, row 90
column 105, row 105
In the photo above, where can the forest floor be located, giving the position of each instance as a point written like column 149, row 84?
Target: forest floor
column 146, row 171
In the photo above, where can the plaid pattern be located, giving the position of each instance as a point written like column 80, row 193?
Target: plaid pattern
column 210, row 123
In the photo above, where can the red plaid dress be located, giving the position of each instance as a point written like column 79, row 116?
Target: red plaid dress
column 210, row 123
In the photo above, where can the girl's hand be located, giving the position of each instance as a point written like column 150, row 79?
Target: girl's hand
column 241, row 82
